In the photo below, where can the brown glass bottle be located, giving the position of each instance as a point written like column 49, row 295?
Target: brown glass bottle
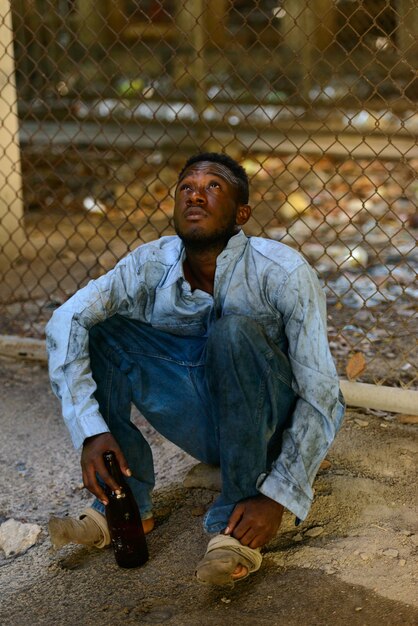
column 124, row 519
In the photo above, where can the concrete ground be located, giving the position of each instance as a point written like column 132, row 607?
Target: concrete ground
column 353, row 561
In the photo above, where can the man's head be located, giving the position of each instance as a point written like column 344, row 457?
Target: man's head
column 239, row 175
column 211, row 200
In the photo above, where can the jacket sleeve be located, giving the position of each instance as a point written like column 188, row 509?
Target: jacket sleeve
column 67, row 335
column 320, row 406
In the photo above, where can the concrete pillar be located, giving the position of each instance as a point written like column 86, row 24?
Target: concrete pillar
column 11, row 204
column 308, row 25
column 294, row 35
column 216, row 20
column 299, row 24
column 92, row 23
column 308, row 30
column 190, row 59
column 117, row 17
column 407, row 32
column 326, row 16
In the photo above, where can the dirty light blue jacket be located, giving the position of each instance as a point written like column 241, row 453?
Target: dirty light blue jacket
column 256, row 277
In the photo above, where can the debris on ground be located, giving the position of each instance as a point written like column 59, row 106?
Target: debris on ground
column 17, row 537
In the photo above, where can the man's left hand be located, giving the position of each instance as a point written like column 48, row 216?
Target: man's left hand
column 255, row 521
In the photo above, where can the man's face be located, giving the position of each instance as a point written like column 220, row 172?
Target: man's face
column 206, row 209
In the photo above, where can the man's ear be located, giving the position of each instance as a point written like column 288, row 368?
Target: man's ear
column 243, row 214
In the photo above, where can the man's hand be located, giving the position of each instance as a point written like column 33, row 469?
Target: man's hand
column 255, row 521
column 92, row 462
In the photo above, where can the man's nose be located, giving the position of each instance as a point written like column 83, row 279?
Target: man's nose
column 197, row 196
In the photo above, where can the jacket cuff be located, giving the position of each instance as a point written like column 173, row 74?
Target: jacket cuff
column 88, row 427
column 278, row 488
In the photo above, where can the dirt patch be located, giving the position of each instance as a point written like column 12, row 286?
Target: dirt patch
column 354, row 560
column 365, row 506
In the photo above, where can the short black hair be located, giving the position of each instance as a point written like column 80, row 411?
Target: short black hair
column 224, row 159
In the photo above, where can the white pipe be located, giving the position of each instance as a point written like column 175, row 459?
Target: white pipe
column 392, row 399
column 23, row 348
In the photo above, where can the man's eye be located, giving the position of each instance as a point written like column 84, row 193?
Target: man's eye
column 184, row 187
column 214, row 184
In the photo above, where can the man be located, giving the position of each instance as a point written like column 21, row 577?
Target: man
column 220, row 341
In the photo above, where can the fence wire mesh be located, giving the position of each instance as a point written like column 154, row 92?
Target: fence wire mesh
column 101, row 102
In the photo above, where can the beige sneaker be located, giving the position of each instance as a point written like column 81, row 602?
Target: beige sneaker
column 90, row 530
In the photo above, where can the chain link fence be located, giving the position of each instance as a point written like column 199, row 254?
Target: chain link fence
column 101, row 103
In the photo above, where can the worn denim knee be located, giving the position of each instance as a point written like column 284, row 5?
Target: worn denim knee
column 224, row 399
column 249, row 382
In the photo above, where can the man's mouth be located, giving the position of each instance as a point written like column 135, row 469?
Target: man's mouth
column 194, row 212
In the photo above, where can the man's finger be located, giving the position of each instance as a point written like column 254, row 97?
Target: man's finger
column 90, row 482
column 257, row 542
column 246, row 538
column 242, row 530
column 106, row 477
column 123, row 463
column 235, row 519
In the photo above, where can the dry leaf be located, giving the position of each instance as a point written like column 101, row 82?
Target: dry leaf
column 325, row 465
column 407, row 419
column 355, row 366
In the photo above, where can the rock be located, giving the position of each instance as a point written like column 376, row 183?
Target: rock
column 402, row 562
column 202, row 476
column 297, row 537
column 391, row 552
column 315, row 531
column 364, row 556
column 16, row 537
column 361, row 423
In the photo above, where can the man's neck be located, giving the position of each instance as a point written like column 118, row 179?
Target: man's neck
column 199, row 268
column 200, row 263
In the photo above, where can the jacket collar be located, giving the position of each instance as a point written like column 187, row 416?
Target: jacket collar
column 234, row 248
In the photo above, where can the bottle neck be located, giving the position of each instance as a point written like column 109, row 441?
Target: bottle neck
column 112, row 467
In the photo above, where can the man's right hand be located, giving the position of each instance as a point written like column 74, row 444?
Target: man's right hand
column 92, row 462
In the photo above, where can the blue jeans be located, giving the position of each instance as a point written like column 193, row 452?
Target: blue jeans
column 224, row 398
